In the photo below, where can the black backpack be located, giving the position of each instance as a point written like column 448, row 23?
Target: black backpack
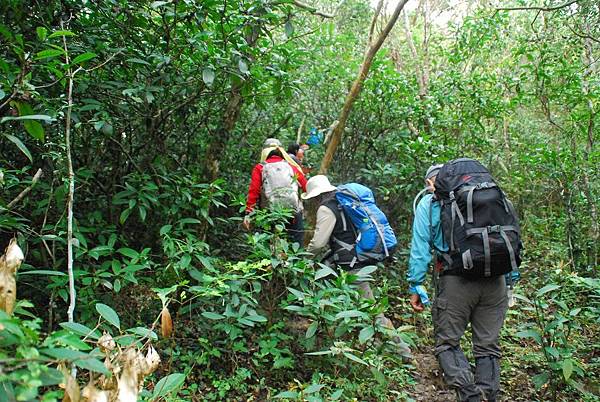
column 479, row 224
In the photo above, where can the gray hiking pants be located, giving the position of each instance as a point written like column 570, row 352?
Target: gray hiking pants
column 483, row 304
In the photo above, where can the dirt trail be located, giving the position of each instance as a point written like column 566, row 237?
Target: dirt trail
column 430, row 386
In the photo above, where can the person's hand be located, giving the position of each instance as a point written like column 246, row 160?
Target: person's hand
column 415, row 303
column 246, row 222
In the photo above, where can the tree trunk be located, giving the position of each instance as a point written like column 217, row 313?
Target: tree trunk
column 336, row 135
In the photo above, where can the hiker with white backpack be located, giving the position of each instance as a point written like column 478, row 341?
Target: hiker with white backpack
column 275, row 182
column 469, row 224
column 354, row 232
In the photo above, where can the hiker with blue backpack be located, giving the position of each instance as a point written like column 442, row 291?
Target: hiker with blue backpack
column 354, row 229
column 469, row 224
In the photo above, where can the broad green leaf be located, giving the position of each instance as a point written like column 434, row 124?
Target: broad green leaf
column 256, row 318
column 365, row 334
column 243, row 66
column 287, row 395
column 289, row 29
column 350, row 314
column 324, row 272
column 19, row 145
column 168, row 384
column 83, row 57
column 51, row 376
column 165, row 229
column 312, row 329
column 64, row 354
column 33, row 127
column 546, row 289
column 108, row 314
column 311, row 389
column 92, row 364
column 49, row 53
column 208, row 76
column 530, row 333
column 42, row 33
column 80, row 329
column 62, row 32
column 157, row 4
column 336, row 395
column 212, row 316
column 567, row 368
column 2, row 94
column 540, row 380
column 144, row 332
column 128, row 252
column 368, row 270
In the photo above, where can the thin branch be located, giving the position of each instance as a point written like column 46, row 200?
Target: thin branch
column 553, row 8
column 23, row 193
column 311, row 9
column 374, row 20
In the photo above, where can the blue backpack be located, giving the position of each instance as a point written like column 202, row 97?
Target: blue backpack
column 375, row 239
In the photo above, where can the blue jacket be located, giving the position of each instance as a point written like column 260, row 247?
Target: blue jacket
column 426, row 224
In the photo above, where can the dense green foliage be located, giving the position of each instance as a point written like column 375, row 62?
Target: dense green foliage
column 171, row 101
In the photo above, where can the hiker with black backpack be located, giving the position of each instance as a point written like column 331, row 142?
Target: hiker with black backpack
column 355, row 230
column 275, row 182
column 467, row 221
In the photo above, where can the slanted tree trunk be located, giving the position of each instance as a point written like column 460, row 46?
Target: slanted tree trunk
column 373, row 48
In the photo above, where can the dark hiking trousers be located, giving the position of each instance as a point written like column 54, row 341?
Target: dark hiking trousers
column 295, row 229
column 483, row 304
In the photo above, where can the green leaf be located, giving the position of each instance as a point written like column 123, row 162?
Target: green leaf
column 62, row 32
column 168, row 384
column 83, row 57
column 42, row 272
column 108, row 314
column 319, row 353
column 256, row 318
column 64, row 354
column 365, row 334
column 124, row 215
column 567, row 368
column 336, row 395
column 312, row 329
column 324, row 272
column 19, row 145
column 157, row 4
column 540, row 380
column 128, row 252
column 144, row 332
column 355, row 358
column 28, row 117
column 350, row 314
column 530, row 333
column 80, row 329
column 212, row 316
column 92, row 364
column 289, row 29
column 34, row 128
column 2, row 94
column 368, row 270
column 208, row 76
column 50, row 376
column 286, row 395
column 138, row 61
column 243, row 66
column 165, row 229
column 42, row 33
column 546, row 289
column 49, row 53
column 311, row 389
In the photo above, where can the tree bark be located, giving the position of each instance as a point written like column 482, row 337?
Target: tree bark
column 336, row 135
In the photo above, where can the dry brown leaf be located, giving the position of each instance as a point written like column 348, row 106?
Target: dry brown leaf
column 106, row 343
column 166, row 323
column 72, row 392
column 92, row 394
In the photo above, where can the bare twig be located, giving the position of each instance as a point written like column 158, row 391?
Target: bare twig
column 311, row 9
column 553, row 8
column 71, row 176
column 23, row 193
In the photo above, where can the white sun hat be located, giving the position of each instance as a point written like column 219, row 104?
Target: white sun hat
column 317, row 185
